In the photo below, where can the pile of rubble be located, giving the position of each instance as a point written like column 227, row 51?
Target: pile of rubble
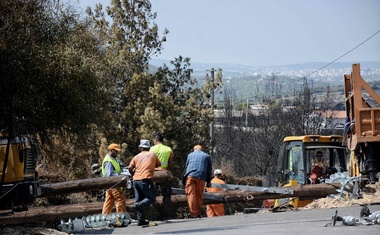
column 369, row 195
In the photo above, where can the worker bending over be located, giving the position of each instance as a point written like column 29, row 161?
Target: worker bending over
column 216, row 209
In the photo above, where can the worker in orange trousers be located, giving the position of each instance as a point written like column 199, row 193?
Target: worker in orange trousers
column 216, row 209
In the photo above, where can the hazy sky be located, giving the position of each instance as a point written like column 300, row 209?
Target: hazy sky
column 268, row 32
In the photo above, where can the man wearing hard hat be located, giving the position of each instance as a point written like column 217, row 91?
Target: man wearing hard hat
column 216, row 209
column 142, row 168
column 111, row 166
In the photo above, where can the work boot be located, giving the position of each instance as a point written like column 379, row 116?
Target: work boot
column 134, row 208
column 194, row 216
column 142, row 222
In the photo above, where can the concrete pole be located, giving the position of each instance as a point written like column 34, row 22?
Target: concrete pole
column 212, row 109
column 246, row 115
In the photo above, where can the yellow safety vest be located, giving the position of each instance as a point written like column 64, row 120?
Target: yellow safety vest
column 163, row 153
column 115, row 165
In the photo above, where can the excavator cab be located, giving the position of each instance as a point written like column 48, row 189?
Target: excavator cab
column 295, row 162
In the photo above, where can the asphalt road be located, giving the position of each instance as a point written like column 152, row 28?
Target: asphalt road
column 280, row 223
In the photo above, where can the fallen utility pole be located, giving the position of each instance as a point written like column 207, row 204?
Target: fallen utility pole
column 93, row 184
column 307, row 191
column 56, row 213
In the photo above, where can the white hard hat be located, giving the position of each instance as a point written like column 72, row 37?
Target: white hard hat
column 144, row 144
column 218, row 172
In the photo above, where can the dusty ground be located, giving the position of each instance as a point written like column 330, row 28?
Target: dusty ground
column 22, row 230
column 371, row 195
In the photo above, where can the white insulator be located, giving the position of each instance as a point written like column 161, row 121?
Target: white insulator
column 374, row 215
column 350, row 220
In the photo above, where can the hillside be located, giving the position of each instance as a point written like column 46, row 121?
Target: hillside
column 250, row 82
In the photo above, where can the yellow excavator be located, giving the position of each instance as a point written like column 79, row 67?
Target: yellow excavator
column 19, row 184
column 295, row 162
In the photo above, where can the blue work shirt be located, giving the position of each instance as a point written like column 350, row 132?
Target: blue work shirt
column 108, row 167
column 198, row 165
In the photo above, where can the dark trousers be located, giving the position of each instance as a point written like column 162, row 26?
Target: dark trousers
column 144, row 195
column 166, row 191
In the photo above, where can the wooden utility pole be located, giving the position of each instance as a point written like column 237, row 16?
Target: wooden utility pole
column 56, row 213
column 93, row 184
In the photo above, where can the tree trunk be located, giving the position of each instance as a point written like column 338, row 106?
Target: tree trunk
column 56, row 213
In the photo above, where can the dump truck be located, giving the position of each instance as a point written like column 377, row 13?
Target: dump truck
column 362, row 127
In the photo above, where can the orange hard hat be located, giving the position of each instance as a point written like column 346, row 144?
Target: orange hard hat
column 114, row 146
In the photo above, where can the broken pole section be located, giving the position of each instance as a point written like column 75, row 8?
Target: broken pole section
column 308, row 191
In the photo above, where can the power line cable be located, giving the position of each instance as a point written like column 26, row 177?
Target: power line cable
column 343, row 54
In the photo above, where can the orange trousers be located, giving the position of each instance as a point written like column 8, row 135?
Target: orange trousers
column 215, row 210
column 194, row 191
column 114, row 196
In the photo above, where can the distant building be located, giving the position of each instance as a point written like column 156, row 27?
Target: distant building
column 257, row 109
column 334, row 119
